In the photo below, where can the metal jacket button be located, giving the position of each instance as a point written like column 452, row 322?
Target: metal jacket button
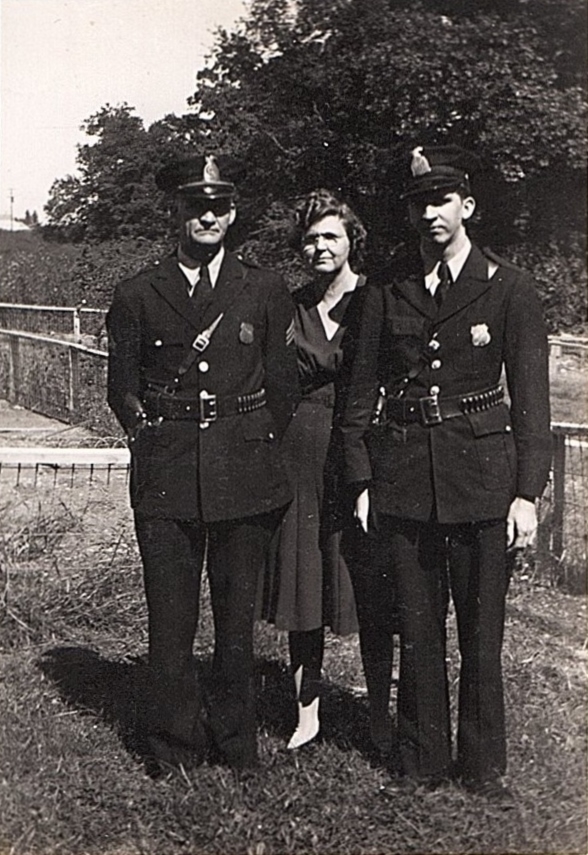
column 436, row 363
column 203, row 366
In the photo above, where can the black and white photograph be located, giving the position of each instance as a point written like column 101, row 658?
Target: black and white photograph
column 293, row 427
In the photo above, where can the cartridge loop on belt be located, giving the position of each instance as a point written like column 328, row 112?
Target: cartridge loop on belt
column 432, row 410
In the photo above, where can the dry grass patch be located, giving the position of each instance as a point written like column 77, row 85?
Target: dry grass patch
column 73, row 780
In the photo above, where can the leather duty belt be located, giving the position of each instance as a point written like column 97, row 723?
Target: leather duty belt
column 432, row 410
column 206, row 408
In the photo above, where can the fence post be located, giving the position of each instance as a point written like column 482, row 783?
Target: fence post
column 77, row 324
column 542, row 552
column 559, row 471
column 14, row 371
column 74, row 380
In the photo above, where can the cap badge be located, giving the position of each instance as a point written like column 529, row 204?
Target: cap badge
column 211, row 172
column 419, row 165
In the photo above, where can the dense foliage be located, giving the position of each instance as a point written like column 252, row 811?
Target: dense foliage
column 327, row 94
column 33, row 271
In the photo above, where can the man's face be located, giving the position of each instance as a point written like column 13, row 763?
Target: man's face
column 439, row 216
column 204, row 222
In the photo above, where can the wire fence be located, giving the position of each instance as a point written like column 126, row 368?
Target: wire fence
column 61, row 379
column 79, row 322
column 66, row 380
column 562, row 543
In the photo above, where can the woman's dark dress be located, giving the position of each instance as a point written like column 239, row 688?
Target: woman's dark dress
column 307, row 584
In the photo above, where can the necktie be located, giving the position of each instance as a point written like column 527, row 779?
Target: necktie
column 444, row 285
column 204, row 284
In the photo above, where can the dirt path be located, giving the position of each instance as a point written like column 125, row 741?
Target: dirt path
column 23, row 427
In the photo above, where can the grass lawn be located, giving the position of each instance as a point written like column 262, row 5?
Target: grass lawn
column 568, row 379
column 72, row 647
column 73, row 639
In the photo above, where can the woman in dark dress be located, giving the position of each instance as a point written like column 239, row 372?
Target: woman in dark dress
column 308, row 585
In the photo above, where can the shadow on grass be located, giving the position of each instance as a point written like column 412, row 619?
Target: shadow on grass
column 115, row 691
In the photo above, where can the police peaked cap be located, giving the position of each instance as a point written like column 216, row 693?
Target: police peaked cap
column 206, row 176
column 430, row 168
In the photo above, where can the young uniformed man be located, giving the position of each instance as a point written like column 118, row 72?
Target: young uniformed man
column 451, row 472
column 203, row 379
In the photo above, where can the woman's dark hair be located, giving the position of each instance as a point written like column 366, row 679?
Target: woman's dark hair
column 322, row 203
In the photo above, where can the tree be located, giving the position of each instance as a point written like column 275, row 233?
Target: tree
column 114, row 195
column 313, row 94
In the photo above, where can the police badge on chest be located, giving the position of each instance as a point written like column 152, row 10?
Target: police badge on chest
column 246, row 333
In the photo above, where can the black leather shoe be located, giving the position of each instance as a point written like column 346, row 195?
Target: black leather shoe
column 168, row 752
column 413, row 786
column 492, row 789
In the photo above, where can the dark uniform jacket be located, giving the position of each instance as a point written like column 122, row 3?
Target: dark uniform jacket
column 220, row 469
column 470, row 467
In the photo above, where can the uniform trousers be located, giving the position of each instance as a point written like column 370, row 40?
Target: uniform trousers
column 431, row 559
column 173, row 553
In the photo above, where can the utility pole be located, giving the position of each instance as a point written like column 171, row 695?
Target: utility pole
column 11, row 208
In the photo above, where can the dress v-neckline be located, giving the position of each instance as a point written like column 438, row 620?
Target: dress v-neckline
column 345, row 297
column 336, row 324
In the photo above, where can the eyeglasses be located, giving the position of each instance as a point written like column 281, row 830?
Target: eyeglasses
column 327, row 238
column 198, row 207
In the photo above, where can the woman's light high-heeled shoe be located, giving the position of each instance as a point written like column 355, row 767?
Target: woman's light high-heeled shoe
column 308, row 725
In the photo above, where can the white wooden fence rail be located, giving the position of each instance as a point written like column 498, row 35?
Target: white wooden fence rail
column 23, row 355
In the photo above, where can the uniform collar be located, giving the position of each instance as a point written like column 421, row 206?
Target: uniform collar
column 170, row 282
column 455, row 265
column 192, row 274
column 474, row 278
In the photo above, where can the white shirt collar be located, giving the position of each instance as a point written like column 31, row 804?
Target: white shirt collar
column 192, row 274
column 455, row 265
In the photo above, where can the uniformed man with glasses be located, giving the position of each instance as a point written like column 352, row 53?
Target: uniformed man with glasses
column 203, row 377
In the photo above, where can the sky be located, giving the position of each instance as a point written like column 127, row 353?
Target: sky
column 62, row 60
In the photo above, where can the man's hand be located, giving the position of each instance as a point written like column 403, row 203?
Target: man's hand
column 362, row 508
column 137, row 416
column 521, row 524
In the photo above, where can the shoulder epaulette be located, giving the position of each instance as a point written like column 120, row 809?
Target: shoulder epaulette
column 247, row 262
column 498, row 259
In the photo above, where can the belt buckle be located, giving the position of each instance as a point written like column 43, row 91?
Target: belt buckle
column 430, row 410
column 208, row 407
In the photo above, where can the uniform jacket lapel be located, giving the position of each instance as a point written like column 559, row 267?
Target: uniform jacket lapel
column 414, row 292
column 471, row 283
column 171, row 284
column 231, row 281
column 200, row 310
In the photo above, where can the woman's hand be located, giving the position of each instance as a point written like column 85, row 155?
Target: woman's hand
column 362, row 509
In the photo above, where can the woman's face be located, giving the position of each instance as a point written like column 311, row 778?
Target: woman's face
column 326, row 245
